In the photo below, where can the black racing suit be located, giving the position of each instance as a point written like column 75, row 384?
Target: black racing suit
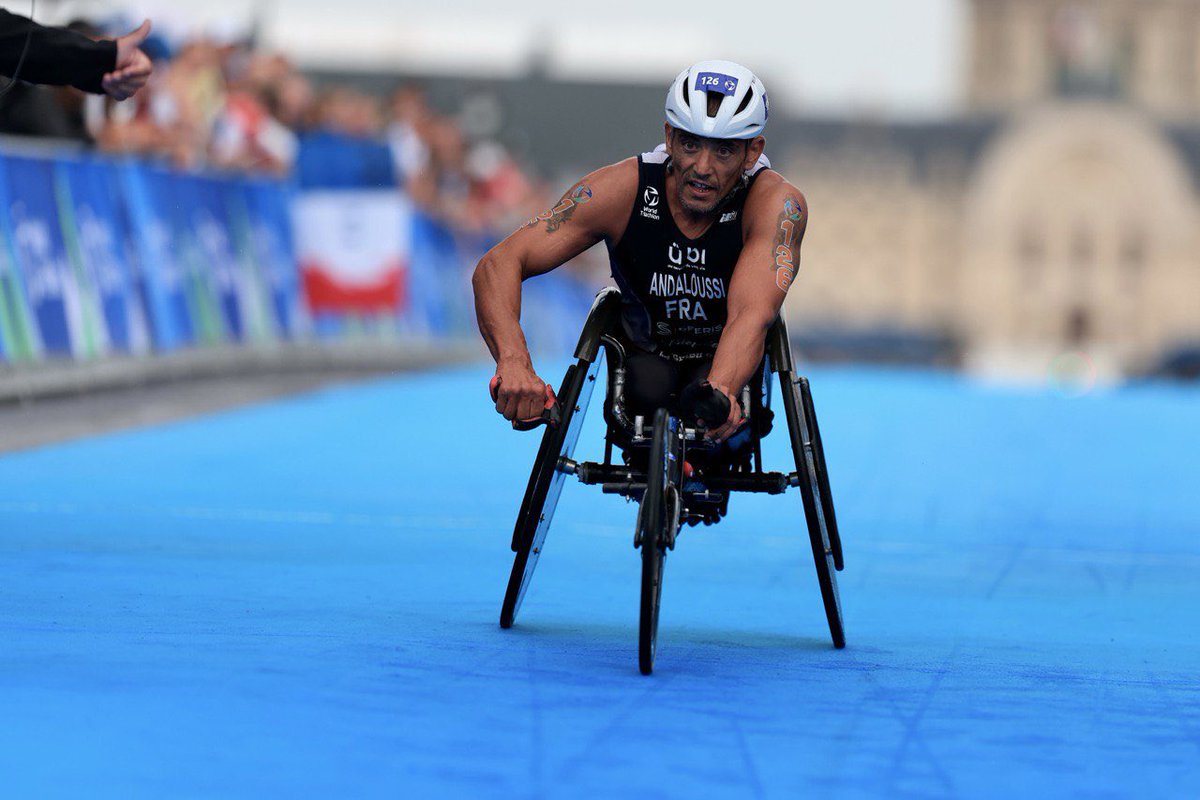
column 673, row 289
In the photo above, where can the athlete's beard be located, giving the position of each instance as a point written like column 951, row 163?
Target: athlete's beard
column 690, row 206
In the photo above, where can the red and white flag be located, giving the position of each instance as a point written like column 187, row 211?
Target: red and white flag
column 354, row 249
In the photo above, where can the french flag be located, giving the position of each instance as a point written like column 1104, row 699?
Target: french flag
column 353, row 248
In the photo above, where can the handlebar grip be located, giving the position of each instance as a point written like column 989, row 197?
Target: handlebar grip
column 550, row 413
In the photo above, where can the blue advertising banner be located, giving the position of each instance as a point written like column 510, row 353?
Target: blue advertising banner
column 96, row 245
column 130, row 244
column 336, row 161
column 19, row 339
column 203, row 216
column 433, row 253
column 269, row 224
column 51, row 290
column 148, row 199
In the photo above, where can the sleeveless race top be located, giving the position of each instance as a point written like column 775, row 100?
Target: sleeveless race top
column 673, row 289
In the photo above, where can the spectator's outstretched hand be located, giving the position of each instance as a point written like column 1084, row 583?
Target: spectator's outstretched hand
column 133, row 66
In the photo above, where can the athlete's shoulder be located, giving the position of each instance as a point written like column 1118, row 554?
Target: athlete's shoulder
column 610, row 193
column 770, row 184
column 623, row 173
column 770, row 195
column 610, row 183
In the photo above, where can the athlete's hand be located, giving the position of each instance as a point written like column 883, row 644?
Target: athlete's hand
column 713, row 406
column 521, row 394
column 133, row 67
column 732, row 422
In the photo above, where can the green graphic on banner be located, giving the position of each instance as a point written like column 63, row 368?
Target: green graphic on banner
column 203, row 305
column 20, row 338
column 91, row 319
column 260, row 325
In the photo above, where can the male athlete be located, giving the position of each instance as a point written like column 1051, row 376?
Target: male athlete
column 704, row 241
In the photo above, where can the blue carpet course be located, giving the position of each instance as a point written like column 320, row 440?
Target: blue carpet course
column 301, row 599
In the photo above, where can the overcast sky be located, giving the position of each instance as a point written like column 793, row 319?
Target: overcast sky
column 895, row 56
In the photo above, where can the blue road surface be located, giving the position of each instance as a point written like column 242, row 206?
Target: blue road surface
column 301, row 599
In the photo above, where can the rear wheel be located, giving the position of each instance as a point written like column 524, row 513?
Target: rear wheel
column 810, row 494
column 810, row 413
column 658, row 513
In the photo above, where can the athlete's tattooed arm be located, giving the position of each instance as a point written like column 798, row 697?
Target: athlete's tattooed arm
column 775, row 218
column 595, row 208
column 788, row 232
column 579, row 194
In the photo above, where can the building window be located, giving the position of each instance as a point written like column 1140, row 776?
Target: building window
column 1082, row 51
column 1132, row 258
column 1078, row 331
column 1081, row 257
column 1030, row 255
column 1083, row 248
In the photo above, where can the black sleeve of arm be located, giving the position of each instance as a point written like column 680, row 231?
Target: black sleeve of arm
column 56, row 56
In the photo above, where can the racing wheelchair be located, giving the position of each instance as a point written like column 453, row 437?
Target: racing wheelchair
column 670, row 470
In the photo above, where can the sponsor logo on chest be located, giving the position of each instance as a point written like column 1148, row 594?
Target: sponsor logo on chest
column 689, row 257
column 650, row 203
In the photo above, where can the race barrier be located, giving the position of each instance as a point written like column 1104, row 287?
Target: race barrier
column 103, row 256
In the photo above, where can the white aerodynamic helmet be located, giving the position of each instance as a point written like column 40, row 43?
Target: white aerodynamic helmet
column 742, row 113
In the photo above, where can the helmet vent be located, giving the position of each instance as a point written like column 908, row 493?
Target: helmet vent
column 714, row 103
column 745, row 101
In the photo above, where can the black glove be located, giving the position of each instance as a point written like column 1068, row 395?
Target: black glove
column 701, row 405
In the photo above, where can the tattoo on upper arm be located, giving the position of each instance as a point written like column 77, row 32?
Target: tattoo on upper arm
column 790, row 222
column 555, row 217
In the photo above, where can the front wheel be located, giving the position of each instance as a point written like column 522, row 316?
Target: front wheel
column 655, row 518
column 653, row 557
column 546, row 484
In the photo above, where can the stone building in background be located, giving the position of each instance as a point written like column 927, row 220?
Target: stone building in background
column 1057, row 215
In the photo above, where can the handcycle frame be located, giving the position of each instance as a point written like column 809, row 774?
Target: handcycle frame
column 667, row 495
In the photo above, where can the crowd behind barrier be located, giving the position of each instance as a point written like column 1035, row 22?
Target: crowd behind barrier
column 232, row 201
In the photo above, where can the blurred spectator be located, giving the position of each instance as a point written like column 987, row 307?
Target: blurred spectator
column 64, row 111
column 408, row 130
column 349, row 112
column 29, row 110
column 291, row 100
column 247, row 133
column 443, row 188
column 216, row 100
column 60, row 57
column 502, row 195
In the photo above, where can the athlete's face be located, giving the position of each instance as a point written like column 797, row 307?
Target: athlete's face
column 707, row 169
